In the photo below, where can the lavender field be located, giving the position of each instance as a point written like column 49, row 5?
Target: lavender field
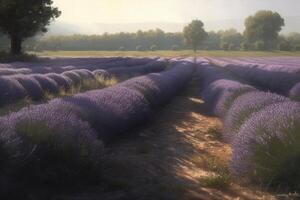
column 80, row 112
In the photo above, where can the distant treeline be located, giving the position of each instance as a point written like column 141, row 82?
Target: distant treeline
column 150, row 40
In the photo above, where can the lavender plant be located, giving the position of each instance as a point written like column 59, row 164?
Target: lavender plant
column 267, row 146
column 243, row 108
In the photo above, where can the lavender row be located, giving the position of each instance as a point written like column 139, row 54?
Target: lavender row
column 262, row 127
column 60, row 65
column 60, row 143
column 35, row 86
column 266, row 77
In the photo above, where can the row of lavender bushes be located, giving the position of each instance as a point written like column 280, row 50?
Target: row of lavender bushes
column 61, row 143
column 262, row 127
column 60, row 65
column 36, row 86
column 282, row 79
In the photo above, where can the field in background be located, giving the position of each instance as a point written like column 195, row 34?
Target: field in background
column 166, row 53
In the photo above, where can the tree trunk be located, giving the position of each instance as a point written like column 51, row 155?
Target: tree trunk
column 16, row 45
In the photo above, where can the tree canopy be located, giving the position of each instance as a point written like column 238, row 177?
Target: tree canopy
column 195, row 34
column 21, row 19
column 263, row 26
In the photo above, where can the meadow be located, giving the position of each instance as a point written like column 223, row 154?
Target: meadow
column 155, row 125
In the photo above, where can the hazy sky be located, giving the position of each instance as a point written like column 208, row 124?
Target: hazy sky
column 131, row 11
column 216, row 14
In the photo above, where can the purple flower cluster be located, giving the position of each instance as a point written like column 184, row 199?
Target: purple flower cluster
column 59, row 142
column 60, row 65
column 47, row 146
column 155, row 66
column 159, row 88
column 220, row 94
column 295, row 92
column 243, row 108
column 268, row 77
column 36, row 85
column 10, row 90
column 267, row 146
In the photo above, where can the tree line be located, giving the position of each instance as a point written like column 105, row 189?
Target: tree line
column 19, row 29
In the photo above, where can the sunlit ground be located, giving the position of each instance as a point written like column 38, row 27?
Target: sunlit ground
column 166, row 53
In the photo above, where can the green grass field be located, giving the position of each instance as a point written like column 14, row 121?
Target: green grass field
column 166, row 53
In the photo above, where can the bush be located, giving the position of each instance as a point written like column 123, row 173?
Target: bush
column 266, row 148
column 62, row 81
column 243, row 107
column 32, row 86
column 259, row 46
column 175, row 48
column 215, row 94
column 225, row 46
column 49, row 147
column 48, row 84
column 76, row 79
column 295, row 92
column 284, row 46
column 245, row 46
column 153, row 48
column 102, row 74
column 297, row 48
column 231, row 47
column 228, row 96
column 122, row 48
column 10, row 90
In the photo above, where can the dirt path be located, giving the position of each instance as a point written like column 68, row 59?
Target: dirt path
column 178, row 156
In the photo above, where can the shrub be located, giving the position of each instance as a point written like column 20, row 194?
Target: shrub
column 32, row 86
column 175, row 47
column 295, row 92
column 84, row 74
column 297, row 48
column 49, row 147
column 62, row 81
column 213, row 93
column 10, row 90
column 225, row 46
column 227, row 98
column 231, row 47
column 153, row 48
column 267, row 146
column 245, row 46
column 48, row 84
column 259, row 46
column 76, row 79
column 102, row 74
column 243, row 107
column 284, row 46
column 105, row 108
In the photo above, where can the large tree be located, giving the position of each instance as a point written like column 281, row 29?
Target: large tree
column 21, row 19
column 194, row 34
column 264, row 26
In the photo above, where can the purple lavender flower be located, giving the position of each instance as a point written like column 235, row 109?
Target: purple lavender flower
column 48, row 84
column 267, row 146
column 76, row 79
column 243, row 107
column 48, row 146
column 31, row 85
column 62, row 81
column 10, row 90
column 214, row 92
